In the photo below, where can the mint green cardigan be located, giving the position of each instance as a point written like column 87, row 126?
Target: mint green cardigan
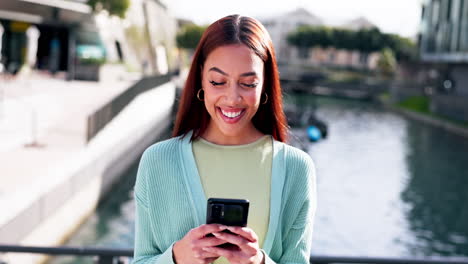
column 170, row 201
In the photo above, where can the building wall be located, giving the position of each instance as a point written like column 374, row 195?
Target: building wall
column 444, row 29
column 279, row 27
column 444, row 43
column 146, row 37
column 162, row 29
column 453, row 102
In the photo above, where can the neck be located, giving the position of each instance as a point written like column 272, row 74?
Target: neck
column 216, row 137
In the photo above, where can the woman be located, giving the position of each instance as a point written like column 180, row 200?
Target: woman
column 228, row 143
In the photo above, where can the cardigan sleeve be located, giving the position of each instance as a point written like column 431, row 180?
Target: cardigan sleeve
column 297, row 241
column 146, row 248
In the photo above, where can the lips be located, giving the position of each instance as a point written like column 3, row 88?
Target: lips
column 231, row 115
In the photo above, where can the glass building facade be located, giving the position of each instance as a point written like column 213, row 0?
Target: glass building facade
column 444, row 46
column 444, row 31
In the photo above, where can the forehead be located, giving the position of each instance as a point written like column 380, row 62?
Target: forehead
column 234, row 59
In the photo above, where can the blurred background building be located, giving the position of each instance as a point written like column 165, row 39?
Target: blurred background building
column 280, row 26
column 68, row 37
column 444, row 45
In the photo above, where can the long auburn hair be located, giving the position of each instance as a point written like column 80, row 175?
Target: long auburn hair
column 234, row 29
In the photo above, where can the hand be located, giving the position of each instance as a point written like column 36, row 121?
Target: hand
column 189, row 250
column 245, row 239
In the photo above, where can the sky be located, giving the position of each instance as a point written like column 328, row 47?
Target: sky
column 391, row 16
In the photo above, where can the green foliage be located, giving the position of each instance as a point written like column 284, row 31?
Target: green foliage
column 345, row 39
column 307, row 36
column 403, row 48
column 369, row 40
column 421, row 104
column 385, row 97
column 189, row 36
column 387, row 62
column 416, row 103
column 344, row 76
column 114, row 7
column 364, row 40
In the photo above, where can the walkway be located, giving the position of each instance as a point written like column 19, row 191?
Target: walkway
column 61, row 109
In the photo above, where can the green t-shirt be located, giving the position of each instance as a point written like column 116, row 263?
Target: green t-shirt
column 239, row 172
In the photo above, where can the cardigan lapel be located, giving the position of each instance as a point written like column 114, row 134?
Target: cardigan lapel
column 277, row 181
column 193, row 184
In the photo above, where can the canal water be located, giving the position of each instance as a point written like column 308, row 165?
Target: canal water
column 387, row 187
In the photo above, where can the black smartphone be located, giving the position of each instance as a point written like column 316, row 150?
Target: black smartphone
column 229, row 212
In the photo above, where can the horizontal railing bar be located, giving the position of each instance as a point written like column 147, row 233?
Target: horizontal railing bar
column 376, row 260
column 314, row 259
column 81, row 251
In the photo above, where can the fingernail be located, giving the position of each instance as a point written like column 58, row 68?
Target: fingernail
column 223, row 227
column 206, row 249
column 216, row 234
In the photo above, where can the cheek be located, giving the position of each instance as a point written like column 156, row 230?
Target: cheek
column 253, row 97
column 210, row 98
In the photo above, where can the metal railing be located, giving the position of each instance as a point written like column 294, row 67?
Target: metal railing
column 122, row 256
column 102, row 255
column 373, row 260
column 107, row 112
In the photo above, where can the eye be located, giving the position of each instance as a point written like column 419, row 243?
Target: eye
column 217, row 83
column 253, row 85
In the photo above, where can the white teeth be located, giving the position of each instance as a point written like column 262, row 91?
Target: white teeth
column 231, row 114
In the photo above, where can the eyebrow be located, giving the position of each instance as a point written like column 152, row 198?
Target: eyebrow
column 223, row 73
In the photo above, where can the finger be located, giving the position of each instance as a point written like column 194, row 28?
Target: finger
column 245, row 232
column 211, row 260
column 203, row 230
column 243, row 244
column 229, row 254
column 210, row 242
column 203, row 254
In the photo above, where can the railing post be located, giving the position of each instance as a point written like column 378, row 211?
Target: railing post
column 104, row 259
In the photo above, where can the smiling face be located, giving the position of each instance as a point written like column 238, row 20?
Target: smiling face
column 232, row 82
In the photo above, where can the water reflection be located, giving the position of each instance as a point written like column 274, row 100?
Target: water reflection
column 387, row 186
column 361, row 170
column 437, row 191
column 112, row 225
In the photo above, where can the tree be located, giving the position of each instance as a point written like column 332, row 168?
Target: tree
column 404, row 48
column 114, row 7
column 309, row 36
column 345, row 39
column 365, row 40
column 368, row 40
column 189, row 36
column 387, row 62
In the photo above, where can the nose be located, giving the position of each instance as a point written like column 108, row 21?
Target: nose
column 233, row 93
